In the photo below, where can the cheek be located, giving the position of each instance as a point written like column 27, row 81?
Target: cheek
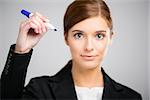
column 101, row 47
column 75, row 47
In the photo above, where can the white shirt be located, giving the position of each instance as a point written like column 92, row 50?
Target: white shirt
column 85, row 93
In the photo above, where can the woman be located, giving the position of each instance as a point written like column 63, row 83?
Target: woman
column 88, row 31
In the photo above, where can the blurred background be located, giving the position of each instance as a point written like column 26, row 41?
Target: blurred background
column 127, row 61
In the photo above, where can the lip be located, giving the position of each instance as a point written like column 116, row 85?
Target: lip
column 88, row 57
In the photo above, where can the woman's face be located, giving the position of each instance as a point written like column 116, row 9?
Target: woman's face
column 88, row 41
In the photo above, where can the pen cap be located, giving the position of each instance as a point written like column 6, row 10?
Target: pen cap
column 26, row 13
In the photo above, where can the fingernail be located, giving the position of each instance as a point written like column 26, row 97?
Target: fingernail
column 47, row 20
column 36, row 31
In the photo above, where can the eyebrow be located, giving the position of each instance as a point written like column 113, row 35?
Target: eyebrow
column 77, row 31
column 104, row 31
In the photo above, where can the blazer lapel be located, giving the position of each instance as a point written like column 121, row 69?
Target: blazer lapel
column 111, row 89
column 63, row 85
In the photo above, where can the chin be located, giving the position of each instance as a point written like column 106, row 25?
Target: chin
column 89, row 64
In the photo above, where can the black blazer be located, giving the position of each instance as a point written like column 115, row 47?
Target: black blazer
column 57, row 87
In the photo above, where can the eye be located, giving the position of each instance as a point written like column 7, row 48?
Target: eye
column 100, row 36
column 78, row 35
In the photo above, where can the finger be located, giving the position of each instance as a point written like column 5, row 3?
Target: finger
column 42, row 25
column 43, row 18
column 24, row 27
column 27, row 25
column 35, row 19
column 34, row 26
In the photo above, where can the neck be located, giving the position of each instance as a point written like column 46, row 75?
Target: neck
column 87, row 77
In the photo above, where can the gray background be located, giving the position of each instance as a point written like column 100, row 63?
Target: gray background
column 127, row 60
column 149, row 46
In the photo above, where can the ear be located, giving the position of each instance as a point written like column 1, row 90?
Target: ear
column 111, row 37
column 65, row 38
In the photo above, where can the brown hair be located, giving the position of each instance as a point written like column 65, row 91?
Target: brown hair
column 80, row 10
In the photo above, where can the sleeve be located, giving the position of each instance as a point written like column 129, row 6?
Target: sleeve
column 14, row 74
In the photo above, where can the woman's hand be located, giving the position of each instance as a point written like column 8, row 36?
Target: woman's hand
column 30, row 32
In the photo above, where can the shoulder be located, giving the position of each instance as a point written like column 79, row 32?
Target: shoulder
column 38, row 87
column 40, row 80
column 125, row 90
column 63, row 74
column 117, row 90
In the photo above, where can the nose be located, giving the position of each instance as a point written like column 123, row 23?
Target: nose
column 89, row 45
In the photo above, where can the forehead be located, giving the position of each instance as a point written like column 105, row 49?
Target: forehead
column 91, row 24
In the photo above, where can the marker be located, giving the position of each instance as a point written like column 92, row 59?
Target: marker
column 29, row 14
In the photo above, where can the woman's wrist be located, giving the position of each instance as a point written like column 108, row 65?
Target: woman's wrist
column 19, row 51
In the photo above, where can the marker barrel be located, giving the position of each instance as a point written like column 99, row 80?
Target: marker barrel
column 29, row 14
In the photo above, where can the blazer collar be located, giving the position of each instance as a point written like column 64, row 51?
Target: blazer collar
column 63, row 81
column 111, row 88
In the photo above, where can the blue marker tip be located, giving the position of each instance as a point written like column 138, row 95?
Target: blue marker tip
column 26, row 13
